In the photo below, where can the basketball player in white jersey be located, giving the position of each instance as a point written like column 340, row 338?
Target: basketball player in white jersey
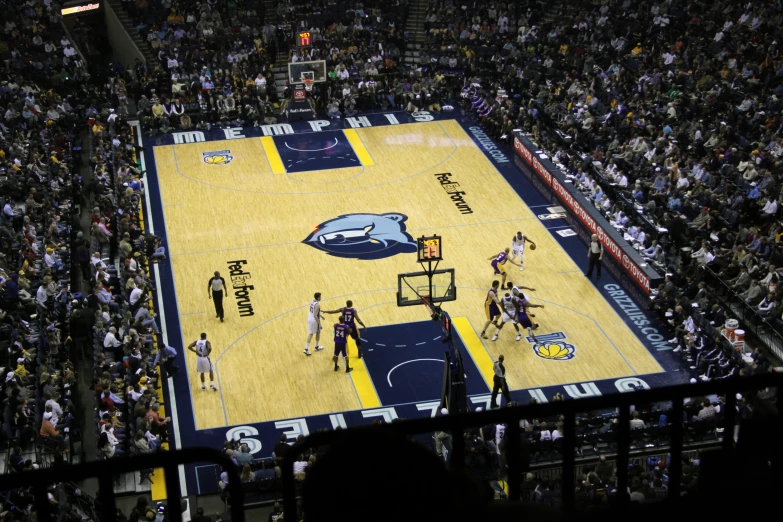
column 516, row 291
column 314, row 324
column 510, row 306
column 518, row 247
column 202, row 348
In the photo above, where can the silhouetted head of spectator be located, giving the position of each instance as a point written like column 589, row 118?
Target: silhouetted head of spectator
column 378, row 471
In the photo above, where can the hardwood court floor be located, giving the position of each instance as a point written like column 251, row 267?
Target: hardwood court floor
column 216, row 214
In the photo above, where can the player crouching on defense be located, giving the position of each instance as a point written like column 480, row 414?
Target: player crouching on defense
column 499, row 262
column 515, row 312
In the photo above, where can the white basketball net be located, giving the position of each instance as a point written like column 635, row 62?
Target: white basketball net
column 308, row 80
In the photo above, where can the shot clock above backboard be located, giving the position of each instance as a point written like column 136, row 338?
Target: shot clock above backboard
column 429, row 249
column 304, row 39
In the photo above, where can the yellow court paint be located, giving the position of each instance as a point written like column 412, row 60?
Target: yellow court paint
column 272, row 155
column 257, row 219
column 477, row 351
column 358, row 147
column 368, row 397
column 158, row 486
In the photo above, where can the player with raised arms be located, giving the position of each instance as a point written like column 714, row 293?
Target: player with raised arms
column 498, row 264
column 518, row 247
column 314, row 324
column 491, row 307
column 341, row 333
column 351, row 317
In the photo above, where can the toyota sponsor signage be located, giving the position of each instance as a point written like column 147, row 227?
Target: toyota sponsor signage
column 629, row 259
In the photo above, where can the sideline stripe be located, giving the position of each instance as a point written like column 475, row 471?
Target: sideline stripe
column 475, row 348
column 362, row 381
column 157, row 488
column 358, row 147
column 155, row 493
column 271, row 153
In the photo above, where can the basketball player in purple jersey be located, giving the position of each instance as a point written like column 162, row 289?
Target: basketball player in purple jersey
column 522, row 316
column 351, row 317
column 517, row 292
column 491, row 307
column 498, row 262
column 515, row 312
column 341, row 332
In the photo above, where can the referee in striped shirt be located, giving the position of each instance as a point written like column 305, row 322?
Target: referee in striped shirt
column 216, row 287
column 499, row 382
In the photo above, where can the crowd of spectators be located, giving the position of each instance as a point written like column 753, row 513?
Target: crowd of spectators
column 117, row 325
column 362, row 44
column 43, row 89
column 260, row 477
column 215, row 61
column 665, row 115
column 596, row 442
column 39, row 90
column 61, row 300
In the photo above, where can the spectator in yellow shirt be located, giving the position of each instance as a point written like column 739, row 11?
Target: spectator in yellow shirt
column 157, row 110
column 21, row 371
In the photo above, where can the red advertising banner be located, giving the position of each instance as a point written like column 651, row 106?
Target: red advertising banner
column 565, row 195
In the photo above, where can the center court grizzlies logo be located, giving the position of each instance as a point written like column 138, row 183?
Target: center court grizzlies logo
column 219, row 157
column 552, row 346
column 363, row 236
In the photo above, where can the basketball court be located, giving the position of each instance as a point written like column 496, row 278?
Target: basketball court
column 338, row 212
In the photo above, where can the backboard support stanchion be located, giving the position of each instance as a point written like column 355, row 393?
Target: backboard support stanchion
column 441, row 287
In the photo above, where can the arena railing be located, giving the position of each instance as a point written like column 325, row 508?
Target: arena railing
column 554, row 470
column 105, row 470
column 766, row 331
column 569, row 409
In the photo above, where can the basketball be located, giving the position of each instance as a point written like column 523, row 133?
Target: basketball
column 533, row 246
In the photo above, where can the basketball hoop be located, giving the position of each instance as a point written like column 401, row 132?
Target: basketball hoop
column 308, row 79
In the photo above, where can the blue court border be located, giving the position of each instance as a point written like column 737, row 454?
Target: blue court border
column 263, row 435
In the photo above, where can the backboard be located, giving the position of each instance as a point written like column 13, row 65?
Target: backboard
column 414, row 286
column 295, row 70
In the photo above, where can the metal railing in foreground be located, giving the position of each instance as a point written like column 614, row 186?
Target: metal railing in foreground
column 569, row 409
column 764, row 327
column 105, row 470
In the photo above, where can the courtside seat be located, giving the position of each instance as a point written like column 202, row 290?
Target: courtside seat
column 701, row 430
column 635, row 438
column 250, row 489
